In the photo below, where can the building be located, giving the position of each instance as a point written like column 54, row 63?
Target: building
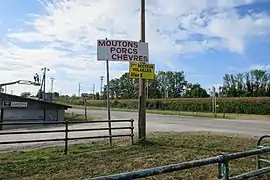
column 20, row 109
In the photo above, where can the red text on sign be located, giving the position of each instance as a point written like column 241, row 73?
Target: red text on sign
column 123, row 50
column 126, row 57
column 127, row 44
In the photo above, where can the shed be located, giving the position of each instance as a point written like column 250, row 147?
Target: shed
column 20, row 109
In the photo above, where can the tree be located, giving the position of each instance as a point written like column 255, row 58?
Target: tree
column 122, row 88
column 162, row 84
column 171, row 84
column 179, row 84
column 56, row 94
column 166, row 84
column 154, row 89
column 251, row 84
column 97, row 96
column 129, row 88
column 85, row 95
column 195, row 91
column 104, row 93
column 25, row 94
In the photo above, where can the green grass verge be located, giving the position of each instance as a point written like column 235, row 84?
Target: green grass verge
column 181, row 113
column 80, row 117
column 97, row 158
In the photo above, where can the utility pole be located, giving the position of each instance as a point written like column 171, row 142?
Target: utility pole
column 93, row 88
column 52, row 79
column 101, row 85
column 44, row 80
column 142, row 94
column 79, row 90
column 93, row 91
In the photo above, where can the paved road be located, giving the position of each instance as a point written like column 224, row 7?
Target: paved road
column 155, row 122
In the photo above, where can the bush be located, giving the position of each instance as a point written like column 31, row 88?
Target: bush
column 225, row 105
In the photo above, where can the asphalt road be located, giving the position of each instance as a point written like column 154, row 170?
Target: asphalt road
column 155, row 122
column 158, row 122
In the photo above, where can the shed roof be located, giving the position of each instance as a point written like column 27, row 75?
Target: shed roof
column 3, row 95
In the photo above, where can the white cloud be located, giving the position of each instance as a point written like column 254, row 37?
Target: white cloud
column 260, row 67
column 65, row 35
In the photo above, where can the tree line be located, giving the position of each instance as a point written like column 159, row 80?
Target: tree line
column 39, row 94
column 255, row 83
column 165, row 85
column 169, row 84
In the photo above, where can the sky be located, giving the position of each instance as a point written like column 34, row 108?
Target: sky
column 204, row 38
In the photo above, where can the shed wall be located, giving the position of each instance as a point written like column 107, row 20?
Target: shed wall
column 23, row 114
column 61, row 114
column 13, row 115
column 36, row 111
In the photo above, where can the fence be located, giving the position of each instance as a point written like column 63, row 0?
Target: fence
column 222, row 161
column 260, row 159
column 66, row 131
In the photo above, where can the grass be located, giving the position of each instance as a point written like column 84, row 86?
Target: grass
column 183, row 113
column 97, row 158
column 80, row 117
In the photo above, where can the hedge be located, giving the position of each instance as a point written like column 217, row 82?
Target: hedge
column 259, row 105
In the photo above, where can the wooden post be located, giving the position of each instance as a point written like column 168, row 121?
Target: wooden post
column 66, row 137
column 142, row 93
column 85, row 110
column 1, row 118
column 132, row 131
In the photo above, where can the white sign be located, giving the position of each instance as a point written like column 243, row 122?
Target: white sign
column 19, row 104
column 14, row 104
column 122, row 50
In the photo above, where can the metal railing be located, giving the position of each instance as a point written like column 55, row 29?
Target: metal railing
column 260, row 159
column 222, row 161
column 66, row 131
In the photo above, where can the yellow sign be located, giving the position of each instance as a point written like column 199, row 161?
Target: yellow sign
column 141, row 71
